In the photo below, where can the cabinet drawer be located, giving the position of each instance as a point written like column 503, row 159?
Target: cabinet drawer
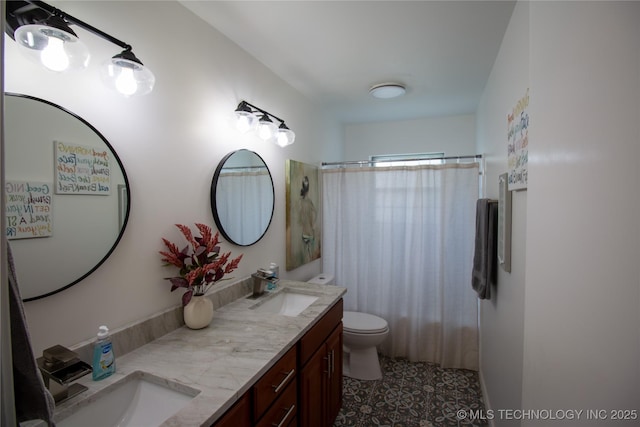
column 284, row 411
column 274, row 382
column 238, row 416
column 317, row 335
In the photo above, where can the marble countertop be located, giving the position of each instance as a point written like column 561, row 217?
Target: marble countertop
column 221, row 362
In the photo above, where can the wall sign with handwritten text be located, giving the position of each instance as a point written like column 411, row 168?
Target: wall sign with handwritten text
column 81, row 170
column 518, row 144
column 28, row 209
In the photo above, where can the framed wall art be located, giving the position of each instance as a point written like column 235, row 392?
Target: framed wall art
column 81, row 169
column 28, row 209
column 303, row 214
column 518, row 144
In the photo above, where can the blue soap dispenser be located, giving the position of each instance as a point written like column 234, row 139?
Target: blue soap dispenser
column 104, row 361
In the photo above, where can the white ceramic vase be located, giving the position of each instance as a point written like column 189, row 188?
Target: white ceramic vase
column 199, row 312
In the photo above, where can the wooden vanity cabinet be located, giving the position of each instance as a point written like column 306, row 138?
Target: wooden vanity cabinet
column 334, row 381
column 320, row 381
column 271, row 401
column 304, row 388
column 239, row 415
column 277, row 390
column 284, row 411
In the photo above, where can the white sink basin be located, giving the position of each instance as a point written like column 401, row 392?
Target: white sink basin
column 287, row 303
column 136, row 400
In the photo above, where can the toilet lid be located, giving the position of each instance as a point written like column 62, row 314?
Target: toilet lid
column 363, row 323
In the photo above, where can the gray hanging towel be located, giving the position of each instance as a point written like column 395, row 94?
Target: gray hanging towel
column 33, row 400
column 485, row 254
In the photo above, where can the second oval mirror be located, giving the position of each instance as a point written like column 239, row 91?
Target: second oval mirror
column 242, row 197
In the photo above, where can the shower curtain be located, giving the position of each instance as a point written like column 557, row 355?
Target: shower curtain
column 400, row 239
column 247, row 195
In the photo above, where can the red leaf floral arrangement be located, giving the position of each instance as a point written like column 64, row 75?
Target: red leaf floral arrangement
column 200, row 263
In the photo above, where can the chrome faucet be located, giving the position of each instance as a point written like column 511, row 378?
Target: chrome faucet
column 260, row 280
column 63, row 366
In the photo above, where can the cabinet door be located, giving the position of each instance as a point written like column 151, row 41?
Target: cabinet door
column 238, row 416
column 311, row 398
column 318, row 334
column 334, row 383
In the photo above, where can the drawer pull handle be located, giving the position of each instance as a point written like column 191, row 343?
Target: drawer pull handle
column 284, row 381
column 286, row 416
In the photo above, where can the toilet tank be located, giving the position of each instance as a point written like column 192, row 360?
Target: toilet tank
column 322, row 279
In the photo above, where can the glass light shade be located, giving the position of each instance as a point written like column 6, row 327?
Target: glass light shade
column 285, row 136
column 56, row 49
column 266, row 129
column 245, row 121
column 129, row 78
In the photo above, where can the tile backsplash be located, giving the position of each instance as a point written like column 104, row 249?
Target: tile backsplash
column 135, row 335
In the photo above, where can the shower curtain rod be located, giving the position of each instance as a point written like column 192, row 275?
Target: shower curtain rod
column 369, row 162
column 235, row 168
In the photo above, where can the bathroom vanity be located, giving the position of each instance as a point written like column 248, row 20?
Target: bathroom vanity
column 250, row 367
column 303, row 388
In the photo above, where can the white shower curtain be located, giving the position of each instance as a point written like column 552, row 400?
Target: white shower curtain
column 247, row 195
column 401, row 240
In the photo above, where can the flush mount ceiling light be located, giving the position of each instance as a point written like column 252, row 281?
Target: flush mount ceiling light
column 387, row 90
column 248, row 117
column 43, row 34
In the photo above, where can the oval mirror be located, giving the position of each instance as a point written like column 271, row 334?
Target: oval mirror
column 66, row 194
column 242, row 197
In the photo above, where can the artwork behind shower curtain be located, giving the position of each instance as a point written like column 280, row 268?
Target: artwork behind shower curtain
column 303, row 204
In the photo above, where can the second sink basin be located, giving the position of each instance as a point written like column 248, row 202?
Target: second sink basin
column 136, row 400
column 287, row 303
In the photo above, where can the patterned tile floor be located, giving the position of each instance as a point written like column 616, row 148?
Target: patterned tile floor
column 412, row 395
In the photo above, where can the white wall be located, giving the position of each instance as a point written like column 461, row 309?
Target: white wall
column 582, row 305
column 502, row 317
column 567, row 337
column 455, row 135
column 170, row 143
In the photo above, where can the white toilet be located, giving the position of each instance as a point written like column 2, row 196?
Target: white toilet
column 362, row 333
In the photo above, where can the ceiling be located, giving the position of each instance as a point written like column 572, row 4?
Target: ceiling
column 334, row 51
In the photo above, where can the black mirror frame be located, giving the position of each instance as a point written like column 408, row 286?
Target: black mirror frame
column 214, row 210
column 125, row 220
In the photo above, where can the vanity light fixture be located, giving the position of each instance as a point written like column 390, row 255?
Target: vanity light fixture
column 54, row 44
column 387, row 90
column 249, row 117
column 126, row 74
column 245, row 119
column 43, row 33
column 266, row 129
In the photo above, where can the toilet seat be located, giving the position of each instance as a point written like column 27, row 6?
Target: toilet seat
column 363, row 323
